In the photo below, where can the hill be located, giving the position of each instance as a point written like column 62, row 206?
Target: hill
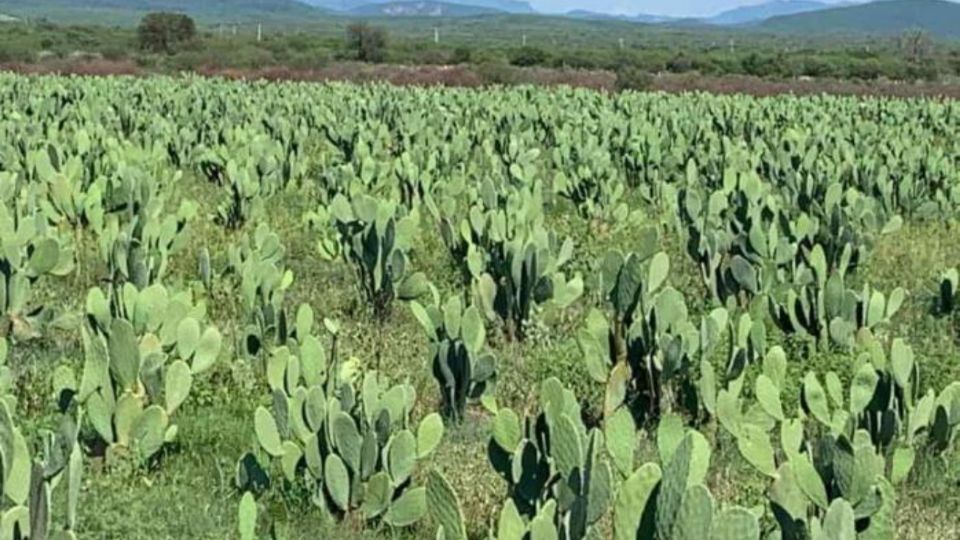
column 121, row 12
column 587, row 15
column 421, row 8
column 761, row 12
column 885, row 17
column 506, row 6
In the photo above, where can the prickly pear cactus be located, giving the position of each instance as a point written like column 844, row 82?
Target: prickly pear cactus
column 464, row 367
column 30, row 251
column 142, row 350
column 375, row 239
column 345, row 434
column 557, row 476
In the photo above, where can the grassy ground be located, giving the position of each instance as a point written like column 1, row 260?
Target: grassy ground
column 190, row 492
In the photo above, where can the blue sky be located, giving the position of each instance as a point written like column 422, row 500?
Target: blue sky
column 679, row 8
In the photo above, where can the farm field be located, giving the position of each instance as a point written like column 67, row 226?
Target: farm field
column 297, row 310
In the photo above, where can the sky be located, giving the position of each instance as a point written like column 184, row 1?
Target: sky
column 676, row 8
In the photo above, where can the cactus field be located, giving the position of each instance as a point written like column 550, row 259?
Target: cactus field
column 260, row 310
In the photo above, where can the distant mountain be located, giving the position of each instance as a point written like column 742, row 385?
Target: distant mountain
column 507, row 6
column 884, row 17
column 762, row 12
column 127, row 11
column 588, row 15
column 421, row 8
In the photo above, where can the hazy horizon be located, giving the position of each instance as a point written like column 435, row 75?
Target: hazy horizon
column 670, row 8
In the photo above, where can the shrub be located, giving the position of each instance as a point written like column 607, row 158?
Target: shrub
column 633, row 78
column 368, row 42
column 164, row 32
column 496, row 73
column 528, row 56
column 461, row 55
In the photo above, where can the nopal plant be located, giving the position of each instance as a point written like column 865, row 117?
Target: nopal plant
column 821, row 485
column 525, row 272
column 29, row 480
column 30, row 250
column 374, row 238
column 142, row 350
column 137, row 247
column 648, row 349
column 345, row 434
column 514, row 263
column 464, row 367
column 257, row 262
column 947, row 298
column 671, row 501
column 819, row 305
column 560, row 484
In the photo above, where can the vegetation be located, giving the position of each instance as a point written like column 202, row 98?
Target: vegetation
column 367, row 41
column 512, row 312
column 165, row 32
column 891, row 18
column 491, row 45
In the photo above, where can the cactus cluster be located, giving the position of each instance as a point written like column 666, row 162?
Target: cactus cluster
column 587, row 176
column 375, row 240
column 137, row 248
column 671, row 502
column 30, row 250
column 464, row 367
column 648, row 351
column 559, row 481
column 734, row 234
column 524, row 273
column 821, row 307
column 257, row 262
column 29, row 479
column 142, row 350
column 243, row 201
column 350, row 443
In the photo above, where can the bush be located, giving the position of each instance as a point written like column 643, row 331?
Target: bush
column 633, row 78
column 461, row 55
column 679, row 64
column 496, row 73
column 368, row 42
column 528, row 56
column 164, row 32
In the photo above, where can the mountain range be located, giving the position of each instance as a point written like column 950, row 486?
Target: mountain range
column 883, row 17
column 504, row 6
column 421, row 8
column 941, row 18
column 760, row 12
column 743, row 15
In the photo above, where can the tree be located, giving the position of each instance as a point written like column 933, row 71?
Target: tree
column 163, row 32
column 369, row 42
column 916, row 43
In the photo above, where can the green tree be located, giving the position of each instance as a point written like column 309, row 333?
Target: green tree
column 369, row 42
column 164, row 32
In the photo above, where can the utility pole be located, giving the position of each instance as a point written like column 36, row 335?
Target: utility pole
column 621, row 43
column 259, row 32
column 234, row 30
column 436, row 35
column 221, row 29
column 524, row 40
